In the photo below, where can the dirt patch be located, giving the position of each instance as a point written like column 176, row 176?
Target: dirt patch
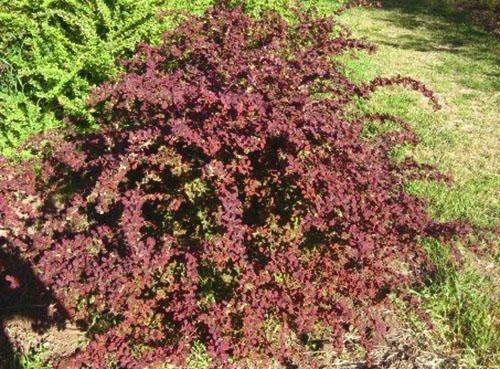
column 51, row 344
column 403, row 347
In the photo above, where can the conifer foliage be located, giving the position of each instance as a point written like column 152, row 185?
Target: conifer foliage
column 228, row 198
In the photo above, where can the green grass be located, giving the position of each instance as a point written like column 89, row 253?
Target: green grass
column 33, row 360
column 463, row 309
column 460, row 63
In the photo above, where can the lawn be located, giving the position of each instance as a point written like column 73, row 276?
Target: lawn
column 462, row 64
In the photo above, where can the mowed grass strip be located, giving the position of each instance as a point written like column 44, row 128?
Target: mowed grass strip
column 461, row 63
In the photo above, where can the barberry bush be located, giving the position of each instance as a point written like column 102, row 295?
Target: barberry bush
column 230, row 197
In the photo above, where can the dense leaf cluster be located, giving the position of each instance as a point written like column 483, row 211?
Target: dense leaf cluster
column 229, row 197
column 53, row 52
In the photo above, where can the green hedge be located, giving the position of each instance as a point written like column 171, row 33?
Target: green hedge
column 52, row 52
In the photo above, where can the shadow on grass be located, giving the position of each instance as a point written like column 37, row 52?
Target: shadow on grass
column 23, row 296
column 433, row 28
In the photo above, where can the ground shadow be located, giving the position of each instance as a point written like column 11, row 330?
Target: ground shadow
column 437, row 29
column 448, row 28
column 23, row 295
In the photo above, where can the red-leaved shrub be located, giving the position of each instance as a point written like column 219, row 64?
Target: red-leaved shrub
column 229, row 197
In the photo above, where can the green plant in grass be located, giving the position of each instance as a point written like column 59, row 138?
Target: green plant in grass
column 199, row 358
column 31, row 360
column 461, row 304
